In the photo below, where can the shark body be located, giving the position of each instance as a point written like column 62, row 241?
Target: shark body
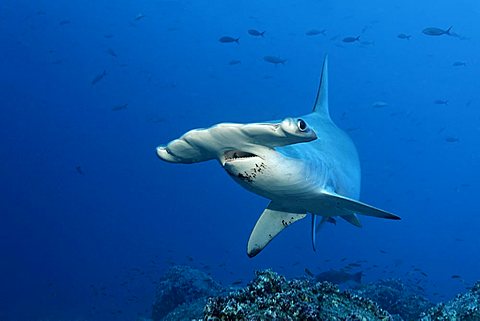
column 301, row 164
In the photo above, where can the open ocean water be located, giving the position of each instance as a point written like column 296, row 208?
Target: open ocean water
column 91, row 219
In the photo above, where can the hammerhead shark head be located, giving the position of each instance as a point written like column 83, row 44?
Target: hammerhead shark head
column 301, row 164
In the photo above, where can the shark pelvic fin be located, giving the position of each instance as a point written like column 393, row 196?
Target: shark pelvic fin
column 316, row 227
column 342, row 203
column 272, row 221
column 321, row 102
column 352, row 219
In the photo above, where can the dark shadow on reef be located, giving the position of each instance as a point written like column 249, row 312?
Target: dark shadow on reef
column 188, row 294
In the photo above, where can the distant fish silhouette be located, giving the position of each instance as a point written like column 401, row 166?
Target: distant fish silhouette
column 139, row 16
column 404, row 36
column 452, row 139
column 228, row 39
column 339, row 277
column 111, row 52
column 98, row 77
column 64, row 22
column 440, row 102
column 274, row 60
column 79, row 170
column 315, row 32
column 351, row 39
column 119, row 107
column 433, row 31
column 379, row 104
column 256, row 33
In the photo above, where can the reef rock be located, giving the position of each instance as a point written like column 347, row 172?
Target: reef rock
column 185, row 289
column 396, row 298
column 271, row 297
column 465, row 307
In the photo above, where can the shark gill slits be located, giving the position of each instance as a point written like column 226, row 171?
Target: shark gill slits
column 302, row 125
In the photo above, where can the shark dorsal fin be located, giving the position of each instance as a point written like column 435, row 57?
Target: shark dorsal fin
column 321, row 102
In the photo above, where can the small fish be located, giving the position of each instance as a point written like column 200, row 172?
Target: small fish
column 237, row 282
column 111, row 52
column 459, row 63
column 315, row 32
column 98, row 77
column 108, row 36
column 351, row 39
column 379, row 104
column 256, row 33
column 64, row 22
column 433, row 31
column 404, row 36
column 383, row 251
column 234, row 62
column 339, row 277
column 119, row 107
column 79, row 170
column 452, row 139
column 309, row 273
column 274, row 60
column 456, row 276
column 227, row 39
column 354, row 265
column 424, row 274
column 139, row 16
column 440, row 102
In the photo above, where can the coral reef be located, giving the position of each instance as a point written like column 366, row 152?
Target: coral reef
column 464, row 307
column 185, row 289
column 271, row 297
column 188, row 294
column 396, row 298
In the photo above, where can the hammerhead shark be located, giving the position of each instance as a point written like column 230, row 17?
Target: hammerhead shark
column 301, row 164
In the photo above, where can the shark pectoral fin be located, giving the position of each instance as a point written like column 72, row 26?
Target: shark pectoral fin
column 352, row 219
column 272, row 221
column 344, row 203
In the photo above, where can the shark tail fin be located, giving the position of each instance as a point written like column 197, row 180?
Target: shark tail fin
column 317, row 226
column 321, row 102
column 273, row 220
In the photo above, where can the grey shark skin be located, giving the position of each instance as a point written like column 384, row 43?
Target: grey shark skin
column 301, row 164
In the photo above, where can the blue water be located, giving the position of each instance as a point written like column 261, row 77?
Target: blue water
column 90, row 218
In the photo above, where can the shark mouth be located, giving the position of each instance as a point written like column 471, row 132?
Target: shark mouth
column 233, row 155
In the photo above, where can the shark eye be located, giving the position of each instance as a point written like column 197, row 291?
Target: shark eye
column 302, row 125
